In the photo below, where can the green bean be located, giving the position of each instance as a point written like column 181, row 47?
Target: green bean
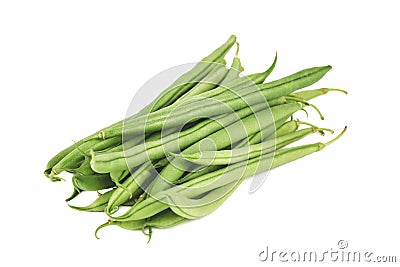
column 70, row 157
column 259, row 78
column 268, row 132
column 205, row 106
column 242, row 82
column 128, row 225
column 281, row 129
column 286, row 128
column 185, row 82
column 134, row 183
column 118, row 175
column 53, row 161
column 290, row 154
column 156, row 137
column 92, row 182
column 104, row 162
column 96, row 206
column 100, row 203
column 74, row 194
column 235, row 69
column 197, row 208
column 153, row 205
column 277, row 101
column 72, row 161
column 310, row 94
column 225, row 157
column 130, row 185
column 83, row 169
column 172, row 173
column 296, row 99
column 181, row 156
column 209, row 82
column 164, row 219
column 223, row 138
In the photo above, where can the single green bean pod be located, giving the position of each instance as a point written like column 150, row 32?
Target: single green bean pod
column 225, row 157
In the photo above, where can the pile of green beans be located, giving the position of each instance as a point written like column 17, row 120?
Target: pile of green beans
column 181, row 156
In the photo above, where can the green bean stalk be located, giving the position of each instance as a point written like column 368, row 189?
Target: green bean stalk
column 181, row 156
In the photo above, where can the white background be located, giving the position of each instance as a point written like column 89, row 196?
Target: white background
column 68, row 68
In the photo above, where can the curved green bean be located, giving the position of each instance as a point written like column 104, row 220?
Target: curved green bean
column 92, row 182
column 259, row 78
column 225, row 157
